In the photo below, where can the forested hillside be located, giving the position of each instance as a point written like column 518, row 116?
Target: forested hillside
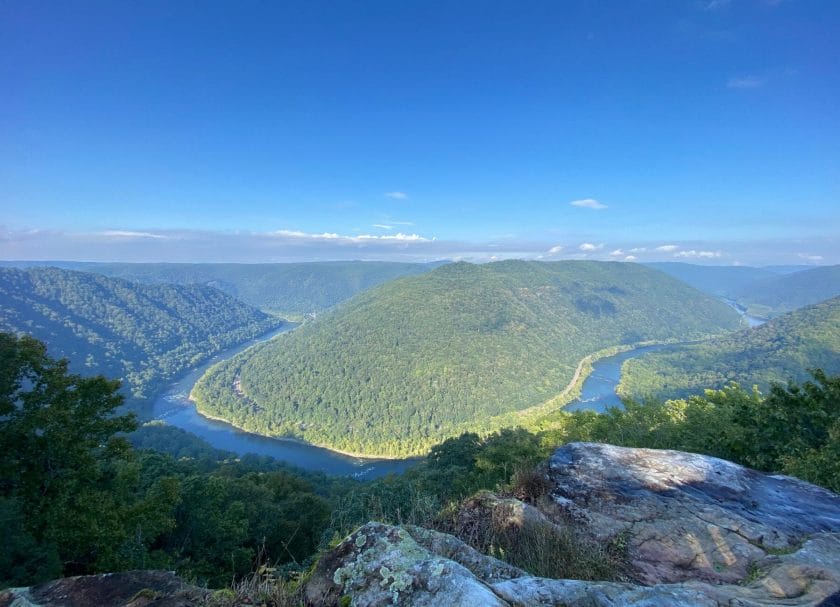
column 423, row 358
column 777, row 295
column 143, row 334
column 293, row 289
column 779, row 350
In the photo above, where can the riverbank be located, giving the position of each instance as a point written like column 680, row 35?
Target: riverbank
column 527, row 418
column 291, row 439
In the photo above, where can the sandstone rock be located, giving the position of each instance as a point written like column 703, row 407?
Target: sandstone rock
column 127, row 589
column 687, row 516
column 698, row 531
column 384, row 565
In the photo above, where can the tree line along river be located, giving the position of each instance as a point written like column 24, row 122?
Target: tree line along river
column 175, row 408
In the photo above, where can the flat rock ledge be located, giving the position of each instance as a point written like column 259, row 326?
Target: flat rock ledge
column 686, row 516
column 698, row 531
column 126, row 589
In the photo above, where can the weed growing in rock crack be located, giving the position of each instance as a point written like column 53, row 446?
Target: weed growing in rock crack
column 502, row 529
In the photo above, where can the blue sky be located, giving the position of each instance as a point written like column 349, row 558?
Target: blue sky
column 705, row 131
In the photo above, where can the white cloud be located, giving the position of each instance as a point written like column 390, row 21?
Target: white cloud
column 397, row 236
column 667, row 248
column 129, row 234
column 332, row 236
column 588, row 247
column 588, row 203
column 630, row 258
column 396, row 195
column 617, row 253
column 807, row 257
column 699, row 254
column 555, row 249
column 714, row 5
column 382, row 226
column 638, row 249
column 745, row 82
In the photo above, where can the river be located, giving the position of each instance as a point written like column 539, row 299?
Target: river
column 174, row 407
column 598, row 390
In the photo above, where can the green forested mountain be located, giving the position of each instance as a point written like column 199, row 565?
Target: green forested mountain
column 721, row 281
column 141, row 333
column 287, row 288
column 422, row 358
column 777, row 295
column 780, row 350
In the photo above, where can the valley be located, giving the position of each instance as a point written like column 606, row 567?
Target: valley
column 461, row 348
column 497, row 328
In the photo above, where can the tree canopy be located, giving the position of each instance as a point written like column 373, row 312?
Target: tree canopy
column 419, row 359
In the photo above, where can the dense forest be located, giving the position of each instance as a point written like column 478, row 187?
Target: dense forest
column 419, row 359
column 76, row 498
column 291, row 290
column 144, row 334
column 781, row 349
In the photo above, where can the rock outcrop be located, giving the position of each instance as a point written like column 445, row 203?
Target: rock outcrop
column 696, row 530
column 127, row 589
column 687, row 516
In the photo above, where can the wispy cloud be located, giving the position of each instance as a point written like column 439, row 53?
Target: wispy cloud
column 638, row 249
column 129, row 234
column 555, row 249
column 745, row 82
column 716, row 5
column 692, row 254
column 665, row 248
column 396, row 195
column 617, row 253
column 382, row 226
column 339, row 238
column 813, row 258
column 588, row 203
column 630, row 258
column 588, row 247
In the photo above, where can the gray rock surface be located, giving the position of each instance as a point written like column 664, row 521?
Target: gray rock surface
column 687, row 516
column 698, row 531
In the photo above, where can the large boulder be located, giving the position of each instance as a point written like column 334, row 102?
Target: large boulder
column 695, row 530
column 686, row 516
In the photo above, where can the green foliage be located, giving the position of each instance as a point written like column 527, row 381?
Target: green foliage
column 287, row 288
column 57, row 456
column 76, row 499
column 780, row 350
column 794, row 429
column 412, row 362
column 145, row 334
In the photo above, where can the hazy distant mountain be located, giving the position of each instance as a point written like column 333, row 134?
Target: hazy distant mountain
column 780, row 350
column 288, row 288
column 141, row 333
column 776, row 295
column 422, row 358
column 721, row 281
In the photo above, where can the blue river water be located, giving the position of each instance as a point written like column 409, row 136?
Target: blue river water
column 174, row 407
